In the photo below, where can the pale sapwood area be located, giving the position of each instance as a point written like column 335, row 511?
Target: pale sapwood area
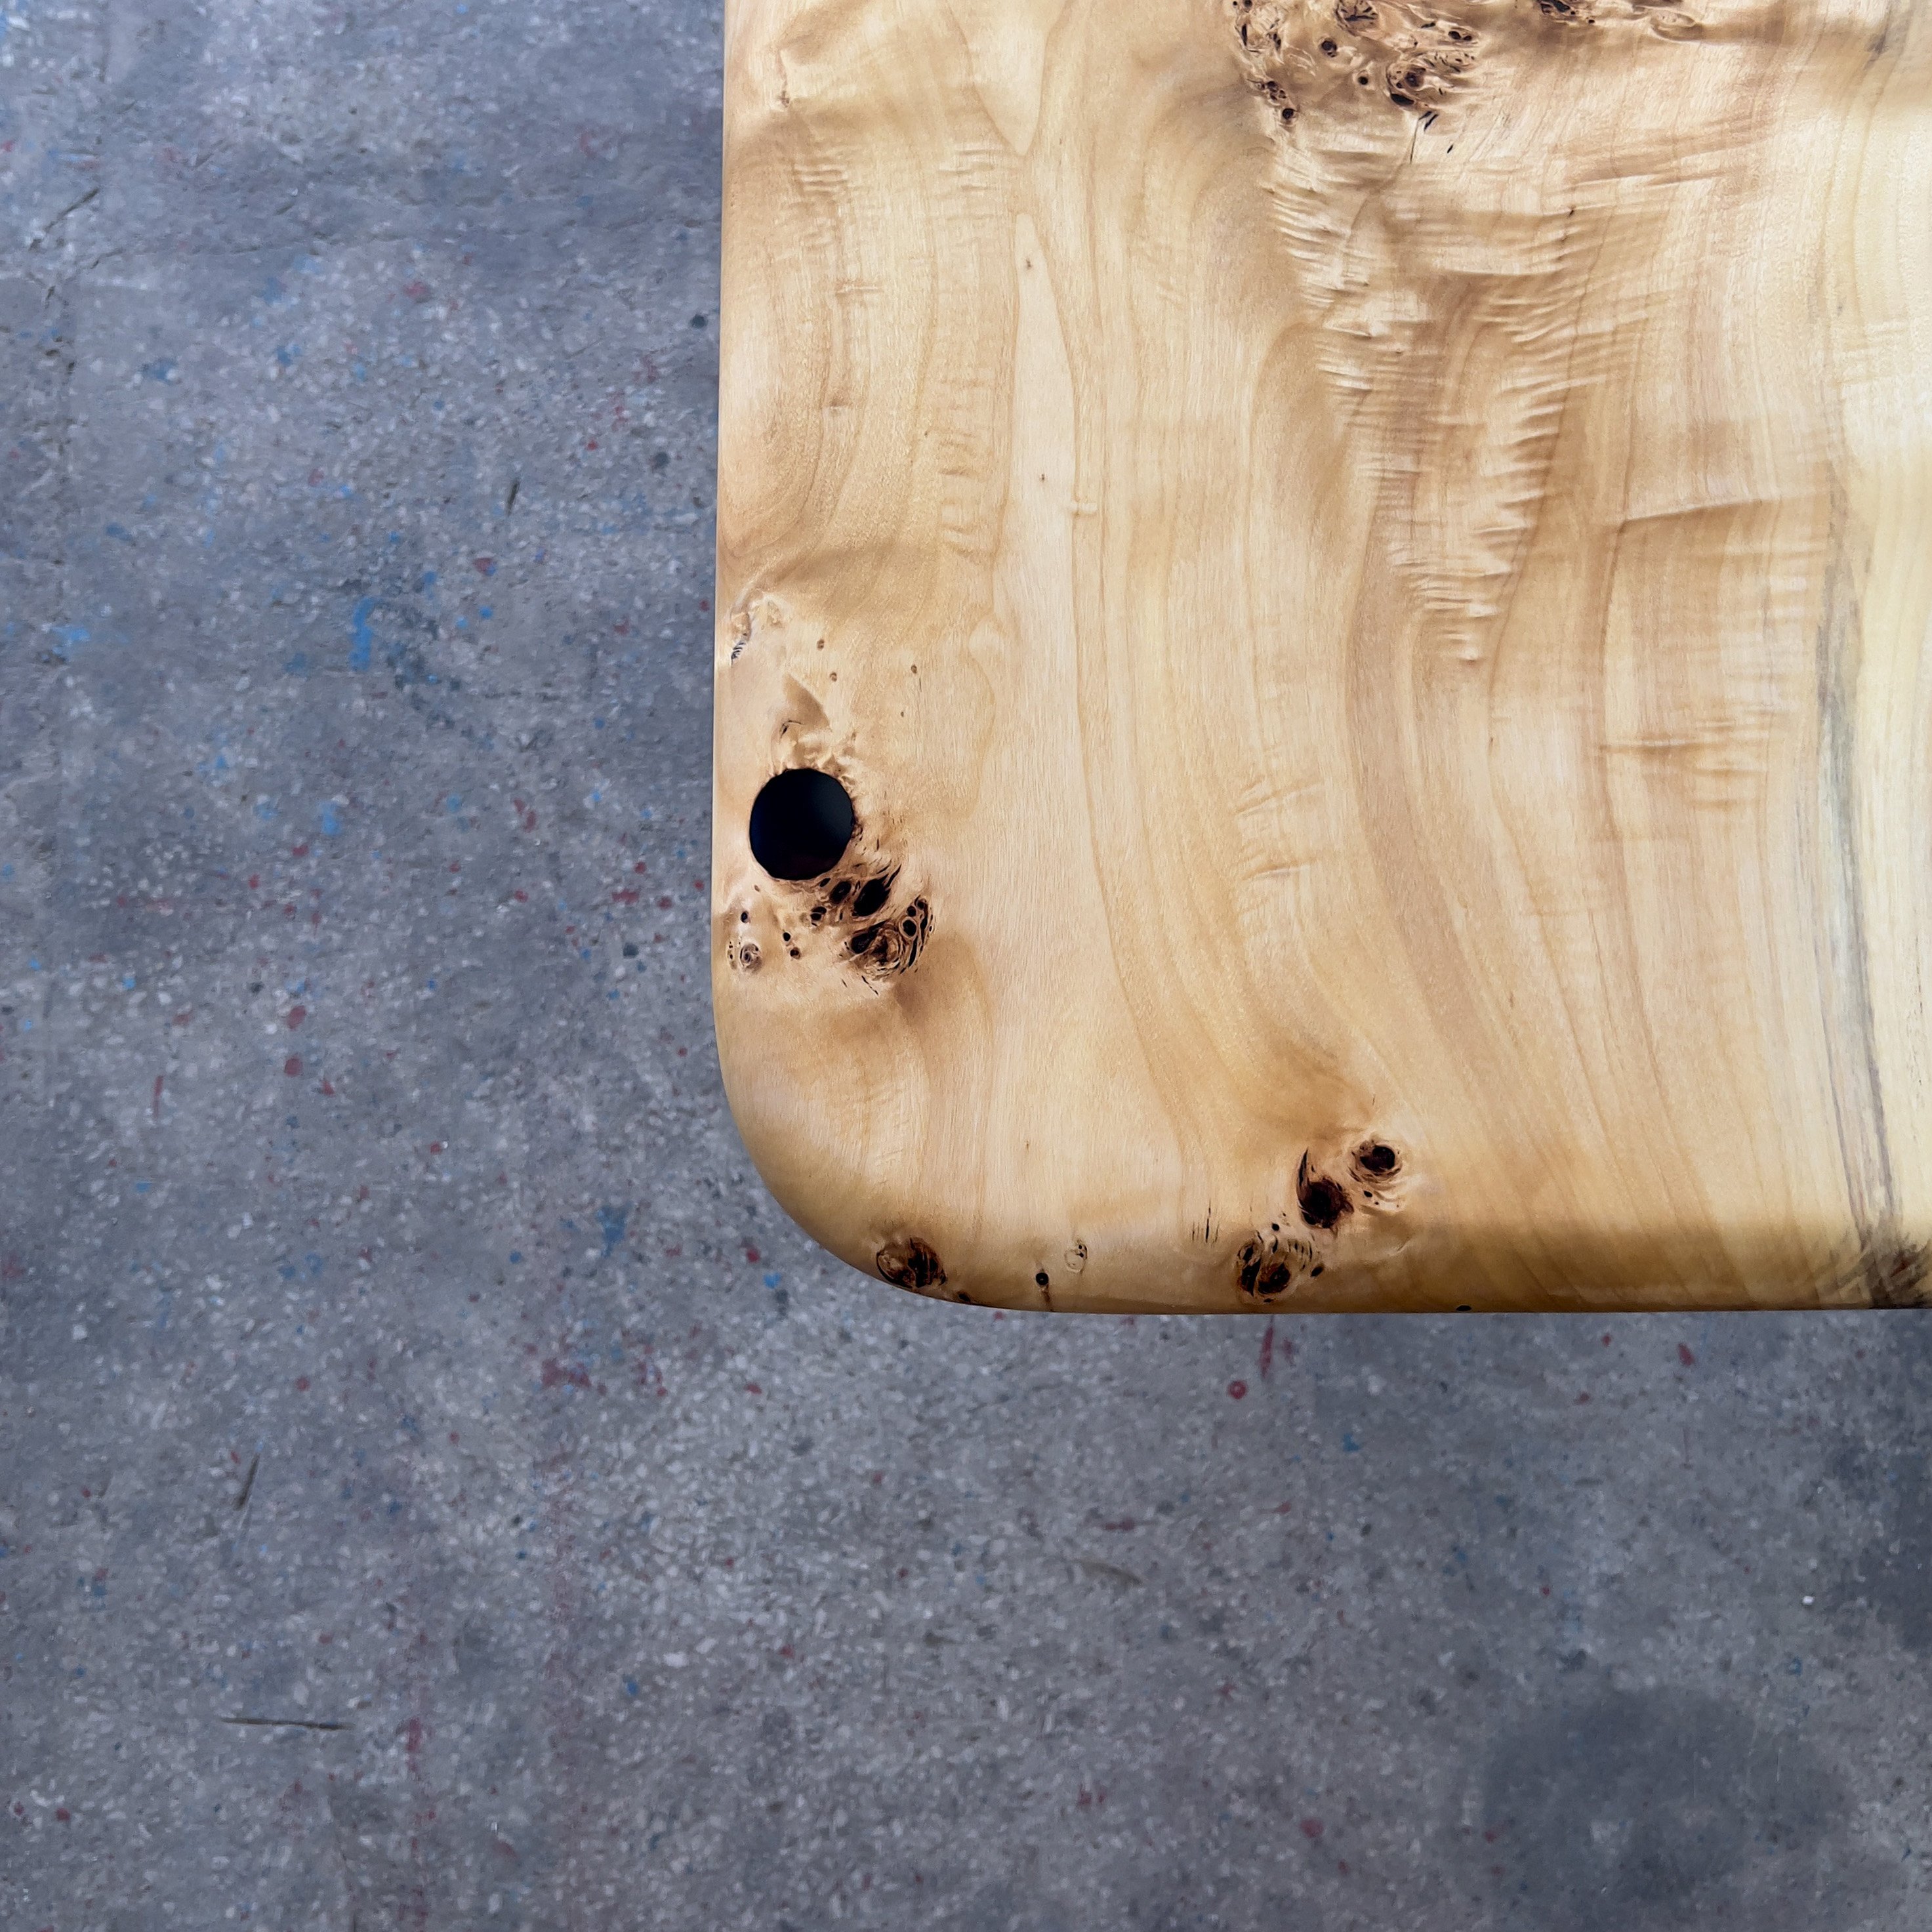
column 1365, row 569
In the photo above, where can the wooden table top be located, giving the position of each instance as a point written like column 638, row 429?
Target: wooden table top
column 1322, row 698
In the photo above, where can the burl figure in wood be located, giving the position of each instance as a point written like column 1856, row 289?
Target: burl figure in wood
column 1322, row 687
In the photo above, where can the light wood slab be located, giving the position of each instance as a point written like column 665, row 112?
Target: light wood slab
column 1365, row 568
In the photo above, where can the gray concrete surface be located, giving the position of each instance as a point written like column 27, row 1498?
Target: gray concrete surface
column 437, row 1488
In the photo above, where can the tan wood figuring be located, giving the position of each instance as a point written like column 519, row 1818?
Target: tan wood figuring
column 1365, row 568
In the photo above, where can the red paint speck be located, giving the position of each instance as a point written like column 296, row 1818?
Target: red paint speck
column 301, row 1383
column 484, row 566
column 1685, row 1356
column 296, row 1015
column 292, row 1067
column 65, row 1816
column 1237, row 1390
column 752, row 1388
column 1584, row 1397
column 1313, row 1828
column 158, row 1078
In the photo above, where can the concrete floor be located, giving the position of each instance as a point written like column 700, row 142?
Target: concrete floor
column 437, row 1487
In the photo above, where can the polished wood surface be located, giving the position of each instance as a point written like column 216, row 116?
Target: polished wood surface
column 1365, row 568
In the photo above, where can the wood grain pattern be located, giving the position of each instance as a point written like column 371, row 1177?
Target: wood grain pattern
column 1365, row 567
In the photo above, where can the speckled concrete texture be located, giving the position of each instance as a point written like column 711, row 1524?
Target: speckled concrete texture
column 437, row 1488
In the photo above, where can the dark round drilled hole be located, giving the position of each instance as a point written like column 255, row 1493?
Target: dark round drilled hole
column 801, row 824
